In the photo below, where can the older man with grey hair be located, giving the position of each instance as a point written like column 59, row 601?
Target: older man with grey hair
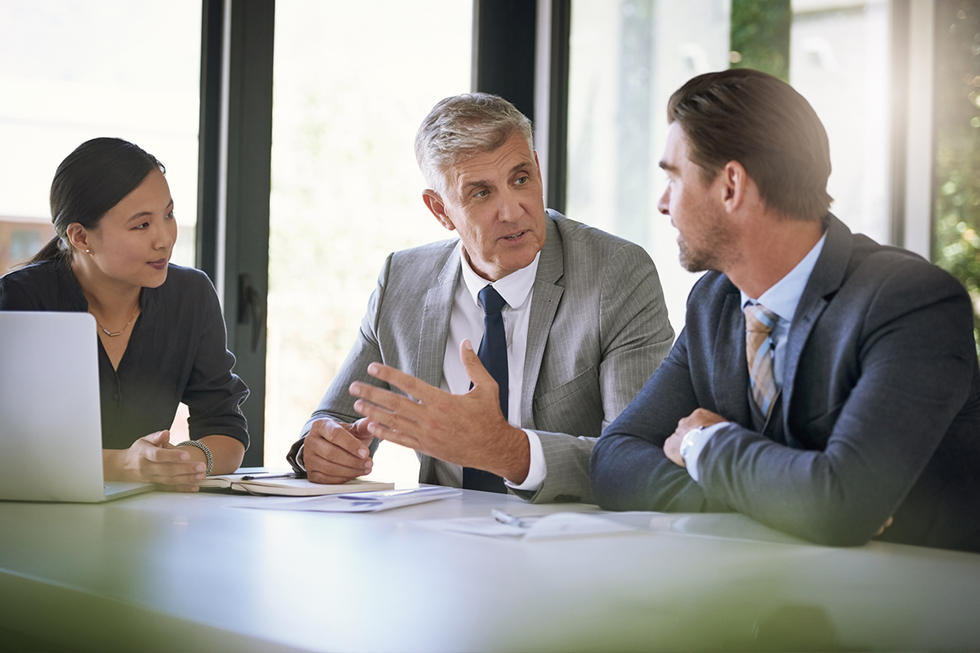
column 498, row 356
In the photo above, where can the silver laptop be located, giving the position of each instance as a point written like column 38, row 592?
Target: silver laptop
column 50, row 415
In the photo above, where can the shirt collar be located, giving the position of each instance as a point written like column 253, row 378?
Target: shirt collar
column 514, row 288
column 783, row 298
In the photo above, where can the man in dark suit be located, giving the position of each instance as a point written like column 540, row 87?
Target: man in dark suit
column 824, row 385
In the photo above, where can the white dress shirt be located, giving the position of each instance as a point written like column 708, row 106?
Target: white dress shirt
column 466, row 321
column 782, row 299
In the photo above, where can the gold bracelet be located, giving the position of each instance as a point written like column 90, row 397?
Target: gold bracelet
column 203, row 447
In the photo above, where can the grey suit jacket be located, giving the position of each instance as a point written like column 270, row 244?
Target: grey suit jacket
column 597, row 330
column 879, row 413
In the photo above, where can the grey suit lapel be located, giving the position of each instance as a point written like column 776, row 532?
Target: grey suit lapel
column 435, row 321
column 431, row 352
column 544, row 305
column 826, row 279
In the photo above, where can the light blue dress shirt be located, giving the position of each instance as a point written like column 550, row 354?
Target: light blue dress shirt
column 782, row 299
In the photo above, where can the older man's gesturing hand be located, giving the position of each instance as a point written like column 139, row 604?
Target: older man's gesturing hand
column 467, row 430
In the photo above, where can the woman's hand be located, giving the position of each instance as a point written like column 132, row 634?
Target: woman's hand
column 152, row 459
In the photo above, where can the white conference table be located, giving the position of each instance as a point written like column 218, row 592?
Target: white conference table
column 170, row 572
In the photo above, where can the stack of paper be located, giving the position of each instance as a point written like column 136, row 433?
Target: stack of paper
column 366, row 501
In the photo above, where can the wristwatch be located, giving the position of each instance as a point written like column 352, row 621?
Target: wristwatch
column 688, row 440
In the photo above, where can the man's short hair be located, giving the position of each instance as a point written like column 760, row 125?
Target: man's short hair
column 461, row 126
column 760, row 121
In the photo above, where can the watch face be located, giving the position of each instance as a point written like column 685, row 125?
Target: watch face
column 688, row 441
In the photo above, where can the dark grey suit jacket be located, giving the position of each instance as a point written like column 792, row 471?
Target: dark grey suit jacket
column 597, row 330
column 879, row 413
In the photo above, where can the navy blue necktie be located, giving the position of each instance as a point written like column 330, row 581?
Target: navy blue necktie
column 493, row 355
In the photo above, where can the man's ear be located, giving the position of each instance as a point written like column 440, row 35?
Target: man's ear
column 734, row 185
column 78, row 236
column 438, row 208
column 537, row 164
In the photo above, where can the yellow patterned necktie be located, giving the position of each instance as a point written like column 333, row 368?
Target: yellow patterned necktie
column 759, row 347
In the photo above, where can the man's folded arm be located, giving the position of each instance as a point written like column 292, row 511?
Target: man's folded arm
column 883, row 436
column 914, row 377
column 629, row 469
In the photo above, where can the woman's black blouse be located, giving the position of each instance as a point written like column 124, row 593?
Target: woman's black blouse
column 177, row 352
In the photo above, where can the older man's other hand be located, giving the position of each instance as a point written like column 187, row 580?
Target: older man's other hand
column 335, row 452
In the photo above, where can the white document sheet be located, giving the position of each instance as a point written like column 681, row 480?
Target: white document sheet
column 558, row 525
column 361, row 501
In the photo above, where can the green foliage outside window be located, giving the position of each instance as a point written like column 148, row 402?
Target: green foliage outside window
column 956, row 244
column 760, row 36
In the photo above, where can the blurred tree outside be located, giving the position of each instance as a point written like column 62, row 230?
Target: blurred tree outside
column 760, row 36
column 956, row 242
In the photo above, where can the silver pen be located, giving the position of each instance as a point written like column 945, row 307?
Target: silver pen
column 507, row 518
column 261, row 477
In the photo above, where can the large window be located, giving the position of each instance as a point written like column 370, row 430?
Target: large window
column 839, row 61
column 352, row 84
column 71, row 70
column 626, row 62
column 957, row 184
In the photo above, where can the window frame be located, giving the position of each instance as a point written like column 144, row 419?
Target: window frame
column 236, row 141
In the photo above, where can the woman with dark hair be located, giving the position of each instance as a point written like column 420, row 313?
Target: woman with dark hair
column 161, row 333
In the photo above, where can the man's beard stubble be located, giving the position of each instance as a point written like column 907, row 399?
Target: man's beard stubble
column 715, row 252
column 691, row 260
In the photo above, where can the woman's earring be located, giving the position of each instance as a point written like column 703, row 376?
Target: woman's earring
column 88, row 251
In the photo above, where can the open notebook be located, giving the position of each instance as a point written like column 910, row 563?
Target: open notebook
column 281, row 483
column 50, row 411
